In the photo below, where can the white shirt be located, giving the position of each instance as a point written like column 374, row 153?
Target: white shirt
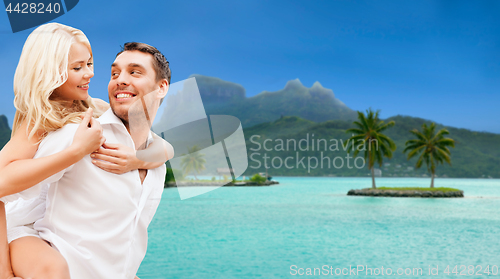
column 96, row 219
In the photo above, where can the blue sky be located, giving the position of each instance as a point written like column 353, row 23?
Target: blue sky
column 438, row 60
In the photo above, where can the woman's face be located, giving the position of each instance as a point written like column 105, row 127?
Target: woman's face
column 80, row 70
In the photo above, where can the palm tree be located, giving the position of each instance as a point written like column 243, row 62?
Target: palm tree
column 193, row 162
column 368, row 137
column 431, row 146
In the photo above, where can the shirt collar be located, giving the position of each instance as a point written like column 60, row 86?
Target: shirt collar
column 109, row 117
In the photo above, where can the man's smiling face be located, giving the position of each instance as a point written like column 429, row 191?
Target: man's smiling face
column 132, row 78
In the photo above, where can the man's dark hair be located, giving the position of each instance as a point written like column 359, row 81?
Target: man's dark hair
column 160, row 63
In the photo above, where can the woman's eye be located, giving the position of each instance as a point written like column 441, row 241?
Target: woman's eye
column 77, row 68
column 90, row 64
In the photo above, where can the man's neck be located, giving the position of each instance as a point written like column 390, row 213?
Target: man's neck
column 140, row 140
column 139, row 135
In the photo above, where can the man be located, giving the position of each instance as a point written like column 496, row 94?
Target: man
column 96, row 219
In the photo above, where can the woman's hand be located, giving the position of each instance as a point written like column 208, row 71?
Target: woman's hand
column 119, row 158
column 88, row 137
column 116, row 158
column 10, row 276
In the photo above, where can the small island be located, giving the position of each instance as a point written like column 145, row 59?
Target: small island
column 256, row 180
column 409, row 192
column 212, row 183
column 430, row 146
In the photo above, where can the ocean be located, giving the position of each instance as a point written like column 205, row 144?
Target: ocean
column 308, row 227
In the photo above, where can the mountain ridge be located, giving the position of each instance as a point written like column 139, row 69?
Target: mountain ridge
column 4, row 130
column 294, row 99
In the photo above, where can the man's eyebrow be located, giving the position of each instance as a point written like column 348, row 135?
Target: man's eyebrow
column 131, row 65
column 135, row 65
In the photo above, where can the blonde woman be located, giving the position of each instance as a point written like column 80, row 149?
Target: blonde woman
column 51, row 89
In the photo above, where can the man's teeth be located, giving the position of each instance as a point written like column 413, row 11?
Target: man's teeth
column 124, row 95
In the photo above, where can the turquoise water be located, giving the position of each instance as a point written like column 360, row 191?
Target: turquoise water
column 263, row 232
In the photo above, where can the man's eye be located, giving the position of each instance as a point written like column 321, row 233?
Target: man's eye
column 135, row 72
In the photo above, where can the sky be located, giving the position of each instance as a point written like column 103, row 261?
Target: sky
column 438, row 60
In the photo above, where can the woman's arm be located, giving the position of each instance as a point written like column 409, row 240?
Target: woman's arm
column 19, row 171
column 118, row 158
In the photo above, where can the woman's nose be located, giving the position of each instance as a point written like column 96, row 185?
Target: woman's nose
column 89, row 74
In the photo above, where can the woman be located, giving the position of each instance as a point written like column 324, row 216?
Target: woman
column 51, row 89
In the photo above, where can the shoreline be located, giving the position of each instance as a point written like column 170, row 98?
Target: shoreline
column 405, row 193
column 215, row 184
column 384, row 177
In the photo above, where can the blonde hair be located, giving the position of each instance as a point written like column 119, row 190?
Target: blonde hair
column 43, row 67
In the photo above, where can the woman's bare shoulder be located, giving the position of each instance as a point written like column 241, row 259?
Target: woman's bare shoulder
column 20, row 145
column 22, row 134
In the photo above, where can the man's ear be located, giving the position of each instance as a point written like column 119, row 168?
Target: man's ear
column 164, row 86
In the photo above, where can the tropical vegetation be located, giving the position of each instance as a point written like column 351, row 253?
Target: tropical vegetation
column 172, row 174
column 258, row 178
column 420, row 189
column 431, row 147
column 368, row 137
column 193, row 162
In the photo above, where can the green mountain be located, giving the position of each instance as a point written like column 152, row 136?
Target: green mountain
column 303, row 130
column 316, row 103
column 304, row 144
column 4, row 131
column 307, row 144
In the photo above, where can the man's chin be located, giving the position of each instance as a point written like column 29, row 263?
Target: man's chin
column 120, row 111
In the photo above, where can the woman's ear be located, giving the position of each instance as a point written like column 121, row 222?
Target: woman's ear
column 164, row 86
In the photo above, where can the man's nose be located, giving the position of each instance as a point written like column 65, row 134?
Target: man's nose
column 122, row 80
